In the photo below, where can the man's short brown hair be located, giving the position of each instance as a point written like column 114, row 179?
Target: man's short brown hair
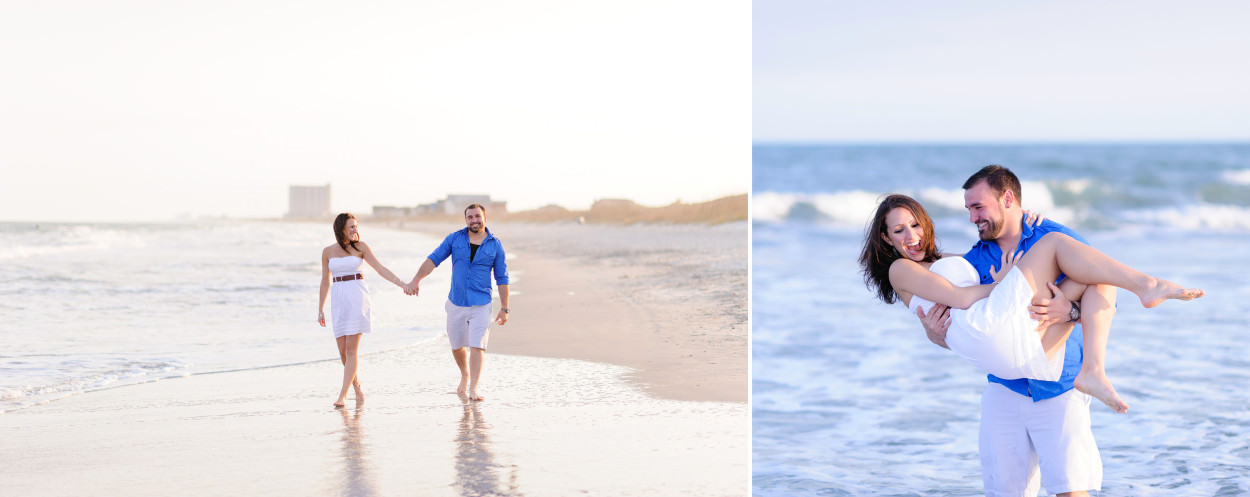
column 999, row 178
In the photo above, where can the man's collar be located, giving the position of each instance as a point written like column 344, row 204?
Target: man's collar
column 465, row 230
column 1026, row 230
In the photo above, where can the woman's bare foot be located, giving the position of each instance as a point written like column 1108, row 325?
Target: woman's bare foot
column 464, row 385
column 1163, row 289
column 360, row 393
column 341, row 402
column 474, row 396
column 1096, row 384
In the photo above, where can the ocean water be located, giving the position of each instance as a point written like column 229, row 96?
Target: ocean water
column 90, row 306
column 850, row 398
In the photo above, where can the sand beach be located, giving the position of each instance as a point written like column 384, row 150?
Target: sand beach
column 621, row 372
column 668, row 301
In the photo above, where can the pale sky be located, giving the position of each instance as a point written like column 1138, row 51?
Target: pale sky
column 996, row 70
column 150, row 110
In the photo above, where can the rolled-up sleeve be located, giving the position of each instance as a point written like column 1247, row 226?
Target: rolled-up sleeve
column 501, row 267
column 441, row 253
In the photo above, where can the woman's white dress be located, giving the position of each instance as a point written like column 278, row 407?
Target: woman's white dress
column 349, row 300
column 996, row 333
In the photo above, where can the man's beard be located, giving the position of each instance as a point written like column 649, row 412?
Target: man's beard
column 476, row 228
column 992, row 229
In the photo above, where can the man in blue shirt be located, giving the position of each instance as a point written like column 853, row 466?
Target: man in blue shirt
column 1030, row 428
column 475, row 253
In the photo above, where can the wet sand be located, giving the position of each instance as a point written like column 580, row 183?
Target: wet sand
column 550, row 427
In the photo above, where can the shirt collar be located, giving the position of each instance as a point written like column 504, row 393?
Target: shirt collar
column 1026, row 231
column 465, row 231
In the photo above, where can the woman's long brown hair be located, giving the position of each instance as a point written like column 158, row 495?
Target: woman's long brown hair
column 875, row 259
column 340, row 223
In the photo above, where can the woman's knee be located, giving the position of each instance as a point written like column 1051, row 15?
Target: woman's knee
column 351, row 345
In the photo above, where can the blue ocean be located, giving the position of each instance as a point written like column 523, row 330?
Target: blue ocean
column 850, row 398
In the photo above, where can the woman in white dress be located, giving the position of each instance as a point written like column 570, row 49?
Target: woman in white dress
column 340, row 275
column 990, row 324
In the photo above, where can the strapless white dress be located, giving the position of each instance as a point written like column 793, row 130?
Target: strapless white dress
column 349, row 300
column 996, row 333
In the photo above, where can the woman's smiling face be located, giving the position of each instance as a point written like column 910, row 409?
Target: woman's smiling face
column 905, row 233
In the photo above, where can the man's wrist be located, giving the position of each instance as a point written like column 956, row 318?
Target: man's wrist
column 1074, row 313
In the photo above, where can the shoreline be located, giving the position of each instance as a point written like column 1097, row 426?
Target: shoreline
column 667, row 301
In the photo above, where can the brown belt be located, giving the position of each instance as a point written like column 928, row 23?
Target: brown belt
column 350, row 277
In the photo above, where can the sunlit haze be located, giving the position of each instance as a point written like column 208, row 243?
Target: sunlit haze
column 151, row 110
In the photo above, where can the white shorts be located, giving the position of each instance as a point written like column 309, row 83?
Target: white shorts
column 468, row 326
column 1019, row 437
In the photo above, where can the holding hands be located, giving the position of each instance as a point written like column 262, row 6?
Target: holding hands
column 412, row 288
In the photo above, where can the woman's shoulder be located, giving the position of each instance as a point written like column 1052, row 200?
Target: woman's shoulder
column 903, row 273
column 334, row 250
column 902, row 270
column 905, row 264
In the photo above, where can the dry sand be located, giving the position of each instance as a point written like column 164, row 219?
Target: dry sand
column 669, row 301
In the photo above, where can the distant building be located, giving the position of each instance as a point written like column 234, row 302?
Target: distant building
column 455, row 204
column 452, row 205
column 309, row 202
column 387, row 211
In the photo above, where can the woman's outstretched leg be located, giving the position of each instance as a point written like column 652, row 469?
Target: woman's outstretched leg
column 1057, row 252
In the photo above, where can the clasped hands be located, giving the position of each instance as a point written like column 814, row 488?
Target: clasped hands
column 411, row 288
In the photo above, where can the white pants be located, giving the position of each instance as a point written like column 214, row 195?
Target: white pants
column 1021, row 438
column 468, row 326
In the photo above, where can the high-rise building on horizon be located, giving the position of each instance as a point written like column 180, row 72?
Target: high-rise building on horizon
column 309, row 202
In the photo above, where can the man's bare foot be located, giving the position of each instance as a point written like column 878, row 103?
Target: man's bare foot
column 1164, row 289
column 464, row 386
column 1096, row 384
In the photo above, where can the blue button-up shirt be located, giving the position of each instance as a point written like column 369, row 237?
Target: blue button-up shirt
column 985, row 255
column 470, row 281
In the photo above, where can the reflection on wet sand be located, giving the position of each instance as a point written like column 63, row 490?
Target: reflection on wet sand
column 355, row 456
column 477, row 473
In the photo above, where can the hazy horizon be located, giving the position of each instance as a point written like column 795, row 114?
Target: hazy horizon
column 141, row 111
column 358, row 212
